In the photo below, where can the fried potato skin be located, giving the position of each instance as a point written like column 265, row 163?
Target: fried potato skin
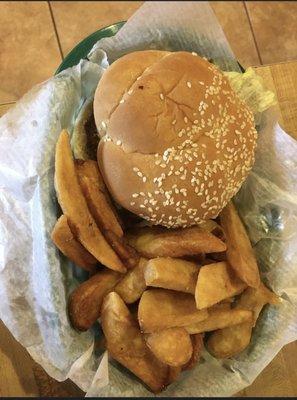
column 239, row 253
column 132, row 285
column 158, row 242
column 85, row 301
column 161, row 309
column 126, row 344
column 215, row 283
column 171, row 273
column 75, row 207
column 172, row 346
column 71, row 248
column 127, row 254
column 219, row 319
column 197, row 345
column 228, row 342
column 255, row 299
column 97, row 196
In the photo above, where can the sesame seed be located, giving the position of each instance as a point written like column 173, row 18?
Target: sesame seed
column 135, row 195
column 139, row 173
column 132, row 203
column 174, row 122
column 161, row 96
column 103, row 124
column 119, row 142
column 122, row 101
column 186, row 120
column 144, row 179
column 138, row 78
column 194, row 54
column 130, row 91
column 189, row 84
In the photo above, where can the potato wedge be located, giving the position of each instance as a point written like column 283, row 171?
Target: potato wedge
column 217, row 257
column 161, row 309
column 126, row 253
column 173, row 375
column 132, row 285
column 215, row 283
column 126, row 344
column 172, row 346
column 85, row 301
column 70, row 247
column 255, row 299
column 103, row 211
column 197, row 344
column 221, row 306
column 153, row 242
column 97, row 196
column 171, row 273
column 228, row 342
column 240, row 254
column 219, row 319
column 212, row 226
column 75, row 207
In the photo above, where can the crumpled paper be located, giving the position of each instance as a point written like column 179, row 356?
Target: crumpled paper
column 35, row 280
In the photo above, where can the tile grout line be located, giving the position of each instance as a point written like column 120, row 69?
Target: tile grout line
column 253, row 33
column 55, row 29
column 8, row 103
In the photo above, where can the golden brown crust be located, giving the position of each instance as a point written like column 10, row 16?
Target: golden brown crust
column 97, row 196
column 74, row 206
column 126, row 344
column 85, row 301
column 70, row 247
column 179, row 142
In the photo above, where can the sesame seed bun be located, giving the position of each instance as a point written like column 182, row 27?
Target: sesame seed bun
column 176, row 141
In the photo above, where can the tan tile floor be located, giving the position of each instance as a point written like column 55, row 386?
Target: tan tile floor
column 34, row 36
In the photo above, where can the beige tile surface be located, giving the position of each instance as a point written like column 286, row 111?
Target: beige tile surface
column 4, row 108
column 282, row 79
column 69, row 15
column 77, row 19
column 275, row 381
column 275, row 28
column 234, row 20
column 28, row 47
column 16, row 367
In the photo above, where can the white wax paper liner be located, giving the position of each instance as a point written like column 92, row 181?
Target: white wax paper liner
column 35, row 280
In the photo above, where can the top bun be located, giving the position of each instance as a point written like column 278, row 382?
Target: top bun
column 176, row 141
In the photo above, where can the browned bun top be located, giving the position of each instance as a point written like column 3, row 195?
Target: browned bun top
column 177, row 142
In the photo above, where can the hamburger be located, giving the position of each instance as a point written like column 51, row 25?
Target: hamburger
column 176, row 141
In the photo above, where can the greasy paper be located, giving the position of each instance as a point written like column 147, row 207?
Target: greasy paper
column 35, row 280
